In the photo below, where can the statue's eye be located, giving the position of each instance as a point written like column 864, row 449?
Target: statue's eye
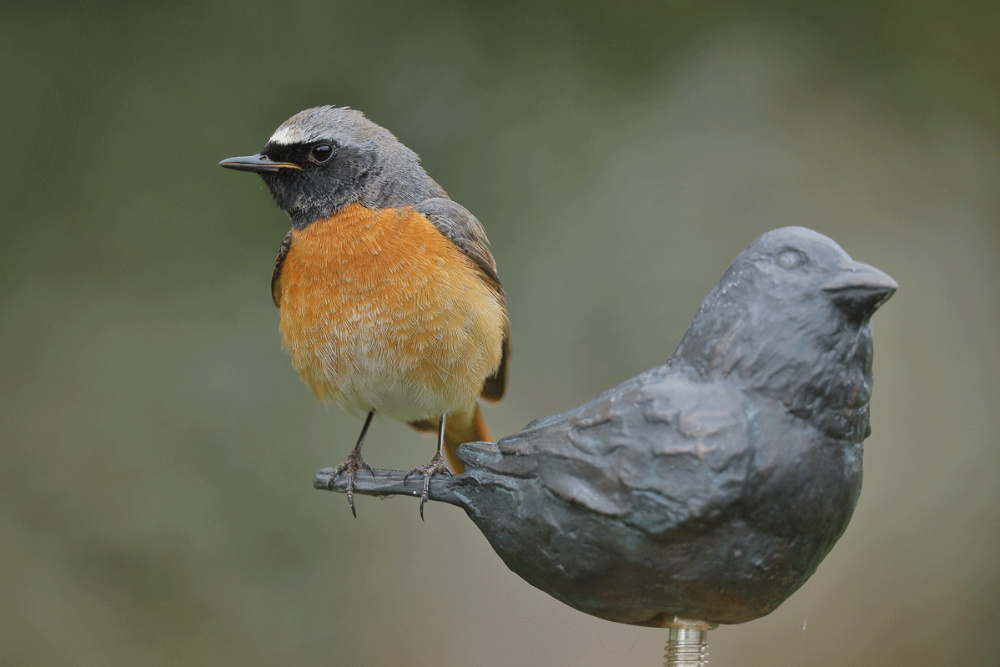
column 789, row 258
column 321, row 153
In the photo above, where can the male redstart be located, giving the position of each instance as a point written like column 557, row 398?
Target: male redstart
column 388, row 294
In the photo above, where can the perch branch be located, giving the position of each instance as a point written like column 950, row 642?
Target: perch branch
column 443, row 488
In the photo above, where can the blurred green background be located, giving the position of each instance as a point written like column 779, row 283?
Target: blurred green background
column 158, row 449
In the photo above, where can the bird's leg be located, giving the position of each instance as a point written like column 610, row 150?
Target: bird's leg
column 355, row 462
column 436, row 465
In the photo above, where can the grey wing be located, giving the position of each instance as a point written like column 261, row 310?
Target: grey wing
column 462, row 228
column 279, row 262
column 659, row 452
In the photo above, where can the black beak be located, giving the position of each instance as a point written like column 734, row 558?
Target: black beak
column 258, row 163
column 860, row 289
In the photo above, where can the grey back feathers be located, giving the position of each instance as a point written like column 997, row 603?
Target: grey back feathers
column 463, row 229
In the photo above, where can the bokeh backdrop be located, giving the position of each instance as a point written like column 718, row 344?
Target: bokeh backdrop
column 156, row 501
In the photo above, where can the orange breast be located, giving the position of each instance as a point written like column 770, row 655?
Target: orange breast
column 381, row 312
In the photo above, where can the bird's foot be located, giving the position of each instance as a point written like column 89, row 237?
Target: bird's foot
column 428, row 470
column 353, row 463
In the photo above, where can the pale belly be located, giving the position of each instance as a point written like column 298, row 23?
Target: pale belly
column 407, row 367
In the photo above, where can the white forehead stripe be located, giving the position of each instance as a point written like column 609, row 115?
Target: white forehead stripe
column 288, row 134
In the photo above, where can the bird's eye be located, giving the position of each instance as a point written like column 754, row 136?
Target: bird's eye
column 789, row 258
column 321, row 153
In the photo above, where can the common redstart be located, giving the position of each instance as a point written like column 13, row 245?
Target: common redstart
column 389, row 297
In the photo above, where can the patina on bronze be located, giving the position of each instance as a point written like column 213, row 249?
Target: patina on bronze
column 710, row 487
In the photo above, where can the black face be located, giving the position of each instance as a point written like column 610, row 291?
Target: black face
column 307, row 156
column 328, row 178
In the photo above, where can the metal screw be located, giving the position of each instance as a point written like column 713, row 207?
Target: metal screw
column 687, row 645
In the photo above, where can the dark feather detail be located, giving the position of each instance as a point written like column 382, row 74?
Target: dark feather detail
column 279, row 261
column 425, row 426
column 496, row 384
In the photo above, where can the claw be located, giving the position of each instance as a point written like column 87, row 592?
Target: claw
column 437, row 465
column 353, row 463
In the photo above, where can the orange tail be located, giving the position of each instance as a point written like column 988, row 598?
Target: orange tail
column 459, row 427
column 463, row 427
